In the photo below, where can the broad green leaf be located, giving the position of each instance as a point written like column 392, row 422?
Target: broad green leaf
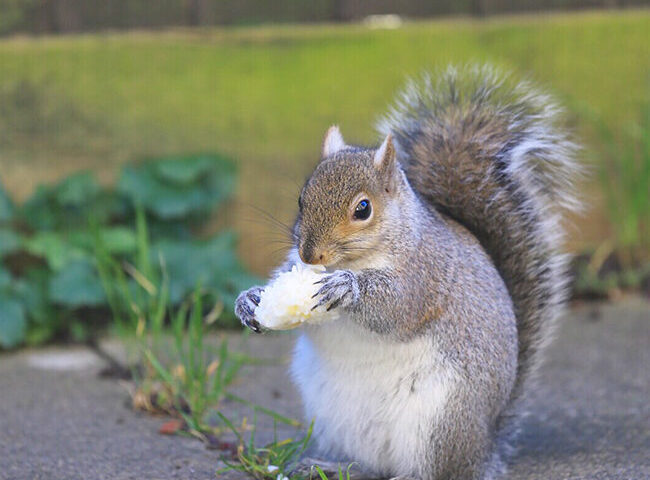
column 77, row 285
column 55, row 249
column 174, row 188
column 10, row 241
column 119, row 239
column 39, row 211
column 77, row 190
column 163, row 200
column 109, row 206
column 169, row 229
column 71, row 203
column 32, row 290
column 116, row 240
column 13, row 324
column 60, row 248
column 212, row 263
column 185, row 170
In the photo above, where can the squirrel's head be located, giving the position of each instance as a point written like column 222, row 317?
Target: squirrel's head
column 348, row 203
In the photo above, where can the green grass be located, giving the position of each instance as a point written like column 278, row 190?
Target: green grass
column 625, row 176
column 189, row 376
column 178, row 371
column 266, row 95
column 279, row 459
column 275, row 460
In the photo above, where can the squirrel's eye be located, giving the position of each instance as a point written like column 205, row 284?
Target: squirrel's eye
column 363, row 210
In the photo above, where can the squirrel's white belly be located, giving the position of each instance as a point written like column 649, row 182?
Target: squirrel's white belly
column 375, row 401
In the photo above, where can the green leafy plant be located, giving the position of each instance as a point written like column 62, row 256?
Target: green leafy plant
column 47, row 248
column 69, row 203
column 176, row 188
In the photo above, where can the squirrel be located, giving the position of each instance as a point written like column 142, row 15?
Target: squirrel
column 444, row 252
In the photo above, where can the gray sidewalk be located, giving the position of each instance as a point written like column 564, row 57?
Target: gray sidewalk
column 591, row 420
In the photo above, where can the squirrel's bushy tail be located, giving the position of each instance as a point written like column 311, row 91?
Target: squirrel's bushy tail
column 493, row 154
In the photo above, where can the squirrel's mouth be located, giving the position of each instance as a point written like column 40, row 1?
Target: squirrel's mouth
column 340, row 262
column 335, row 262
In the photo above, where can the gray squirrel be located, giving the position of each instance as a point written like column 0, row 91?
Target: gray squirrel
column 443, row 248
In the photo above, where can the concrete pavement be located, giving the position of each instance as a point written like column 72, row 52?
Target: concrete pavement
column 590, row 420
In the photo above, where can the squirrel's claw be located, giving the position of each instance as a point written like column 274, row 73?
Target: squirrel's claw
column 254, row 298
column 334, row 304
column 253, row 325
column 339, row 289
column 245, row 306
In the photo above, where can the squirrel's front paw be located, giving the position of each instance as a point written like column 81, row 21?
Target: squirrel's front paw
column 338, row 289
column 245, row 306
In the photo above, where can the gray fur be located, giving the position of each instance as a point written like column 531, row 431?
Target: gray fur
column 493, row 154
column 447, row 292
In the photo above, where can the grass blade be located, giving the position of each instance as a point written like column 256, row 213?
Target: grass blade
column 281, row 418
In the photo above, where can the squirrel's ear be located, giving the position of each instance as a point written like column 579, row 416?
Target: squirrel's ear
column 333, row 141
column 385, row 155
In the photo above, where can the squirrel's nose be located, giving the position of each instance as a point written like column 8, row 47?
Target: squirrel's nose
column 311, row 255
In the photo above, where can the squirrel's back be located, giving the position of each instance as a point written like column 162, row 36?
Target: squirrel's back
column 492, row 154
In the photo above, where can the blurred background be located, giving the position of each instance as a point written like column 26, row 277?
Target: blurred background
column 202, row 118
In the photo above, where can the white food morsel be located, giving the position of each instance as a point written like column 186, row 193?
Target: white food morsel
column 287, row 301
